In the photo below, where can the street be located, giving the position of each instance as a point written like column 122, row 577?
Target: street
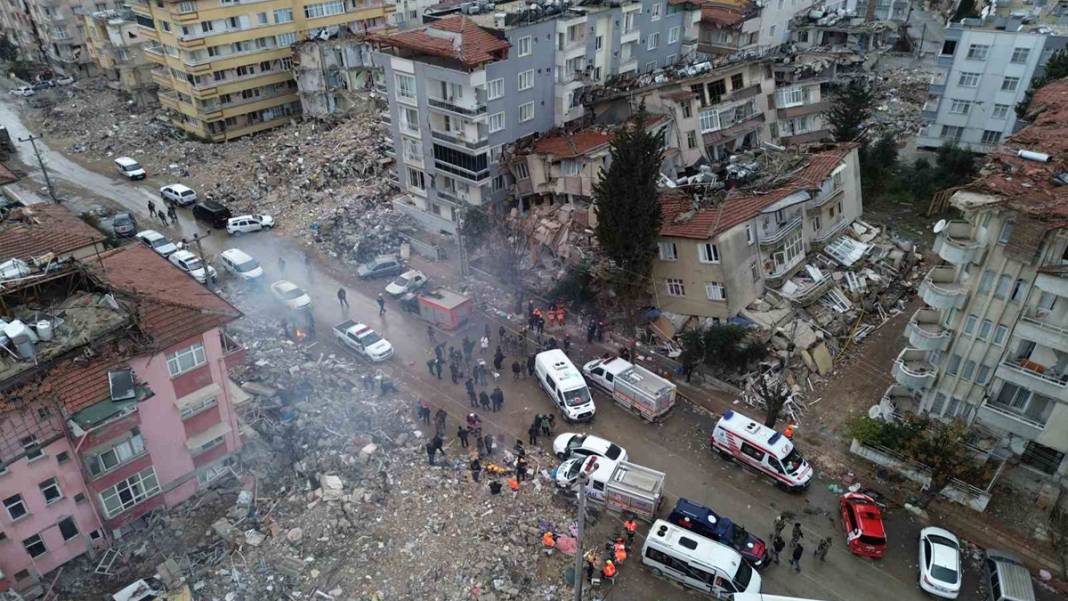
column 678, row 446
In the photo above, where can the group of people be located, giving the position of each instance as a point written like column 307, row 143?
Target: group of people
column 165, row 215
column 615, row 553
column 797, row 549
column 542, row 425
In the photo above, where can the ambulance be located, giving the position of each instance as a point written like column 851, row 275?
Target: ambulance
column 738, row 438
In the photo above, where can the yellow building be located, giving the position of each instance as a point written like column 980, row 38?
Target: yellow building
column 225, row 66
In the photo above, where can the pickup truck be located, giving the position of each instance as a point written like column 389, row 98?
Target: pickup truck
column 632, row 387
column 365, row 341
column 620, row 486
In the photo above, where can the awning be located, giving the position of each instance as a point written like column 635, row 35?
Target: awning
column 198, row 396
column 237, row 396
column 199, row 440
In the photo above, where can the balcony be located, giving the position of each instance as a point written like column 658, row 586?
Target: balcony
column 925, row 331
column 460, row 139
column 774, row 233
column 1054, row 283
column 957, row 244
column 1031, row 374
column 1007, row 419
column 941, row 290
column 900, row 400
column 1043, row 328
column 912, row 370
column 444, row 105
column 233, row 352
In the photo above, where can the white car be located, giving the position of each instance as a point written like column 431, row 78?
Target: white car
column 191, row 264
column 406, row 282
column 243, row 224
column 65, row 80
column 291, row 295
column 23, row 91
column 571, row 444
column 178, row 194
column 157, row 242
column 241, row 264
column 940, row 568
column 130, row 168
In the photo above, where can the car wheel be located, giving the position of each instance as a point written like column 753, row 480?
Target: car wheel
column 657, row 573
column 561, row 456
column 725, row 455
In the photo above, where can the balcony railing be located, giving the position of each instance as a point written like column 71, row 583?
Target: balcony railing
column 771, row 236
column 913, row 370
column 925, row 331
column 1054, row 283
column 455, row 108
column 460, row 141
column 941, row 290
column 957, row 243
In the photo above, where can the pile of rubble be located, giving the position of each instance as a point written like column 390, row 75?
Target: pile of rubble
column 900, row 93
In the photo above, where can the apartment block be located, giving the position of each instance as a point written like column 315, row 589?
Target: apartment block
column 718, row 251
column 54, row 32
column 19, row 28
column 334, row 76
column 115, row 44
column 465, row 85
column 225, row 67
column 768, row 22
column 985, row 68
column 721, row 28
column 116, row 398
column 990, row 346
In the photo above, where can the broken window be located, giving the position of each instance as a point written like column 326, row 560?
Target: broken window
column 121, row 384
column 129, row 492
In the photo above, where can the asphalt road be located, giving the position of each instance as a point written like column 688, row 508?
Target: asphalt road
column 678, row 446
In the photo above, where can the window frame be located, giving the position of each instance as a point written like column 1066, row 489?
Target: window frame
column 497, row 84
column 523, row 46
column 140, row 487
column 969, row 75
column 667, row 251
column 715, row 291
column 193, row 350
column 675, row 287
column 523, row 107
column 503, row 124
column 16, row 500
column 50, row 484
column 529, row 76
column 708, row 253
column 26, row 545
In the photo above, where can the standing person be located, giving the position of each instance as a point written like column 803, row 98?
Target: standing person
column 484, row 400
column 430, row 451
column 497, row 396
column 822, row 548
column 437, row 367
column 532, row 431
column 500, row 335
column 780, row 523
column 777, row 545
column 518, row 449
column 152, row 208
column 482, row 372
column 343, row 298
column 476, row 468
column 173, row 213
column 430, row 366
column 424, row 412
column 521, row 468
column 281, row 265
column 517, row 370
column 591, row 331
column 471, row 396
column 487, row 441
column 483, row 344
column 498, row 359
column 438, row 445
column 439, row 422
column 796, row 558
column 381, row 305
column 796, row 535
column 567, row 342
column 546, row 425
column 461, row 433
column 530, row 365
column 430, row 334
column 454, row 373
column 631, row 526
column 468, row 348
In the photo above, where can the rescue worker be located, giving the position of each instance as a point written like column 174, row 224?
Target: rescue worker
column 789, row 431
column 461, row 433
column 476, row 467
column 631, row 526
column 548, row 541
column 609, row 570
column 619, row 551
column 513, row 485
column 777, row 545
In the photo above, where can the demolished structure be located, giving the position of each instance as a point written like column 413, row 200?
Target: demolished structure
column 335, row 75
column 115, row 43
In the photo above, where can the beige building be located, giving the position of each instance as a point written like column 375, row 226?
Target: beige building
column 116, row 45
column 717, row 254
column 54, row 32
column 991, row 345
column 225, row 67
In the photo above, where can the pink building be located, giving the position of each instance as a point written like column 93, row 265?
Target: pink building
column 128, row 408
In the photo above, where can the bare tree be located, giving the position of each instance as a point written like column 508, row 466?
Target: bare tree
column 943, row 448
column 774, row 393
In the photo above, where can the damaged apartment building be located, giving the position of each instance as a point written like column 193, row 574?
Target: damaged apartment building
column 116, row 399
column 334, row 75
column 990, row 346
column 116, row 45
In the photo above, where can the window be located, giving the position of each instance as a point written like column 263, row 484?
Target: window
column 1005, row 233
column 1023, row 403
column 598, row 42
column 1018, row 291
column 1042, row 458
column 749, row 238
column 495, row 89
column 50, row 491
column 715, row 291
column 737, row 81
column 129, row 492
column 570, row 167
column 960, row 107
column 752, row 451
column 984, row 329
column 709, row 120
column 324, row 9
column 282, row 40
column 969, row 324
column 68, row 528
column 668, row 251
column 654, row 39
column 968, row 80
column 186, row 359
column 261, row 19
column 63, row 457
column 283, row 15
column 984, row 375
column 15, row 507
column 1004, row 283
column 991, row 136
column 673, row 34
column 953, row 365
column 789, row 97
column 708, row 252
column 691, row 139
column 523, row 46
column 968, row 370
column 203, row 404
column 1009, row 84
column 31, row 448
column 186, row 7
column 410, row 120
column 416, row 180
column 1019, row 55
column 207, row 26
column 34, row 546
column 951, row 132
column 526, row 80
column 999, row 335
column 1000, row 111
column 520, row 171
column 104, row 458
column 675, row 287
column 656, row 12
column 526, row 112
column 405, row 87
column 978, row 52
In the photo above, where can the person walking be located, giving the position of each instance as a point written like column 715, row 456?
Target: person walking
column 796, row 557
column 777, row 527
column 530, row 365
column 484, row 400
column 517, row 370
column 631, row 526
column 381, row 305
column 461, row 433
column 476, row 468
column 471, row 396
column 822, row 548
column 151, row 208
column 777, row 545
column 483, row 344
column 173, row 213
column 281, row 265
column 498, row 359
column 532, row 432
column 796, row 535
column 343, row 298
column 487, row 441
column 497, row 396
column 437, row 367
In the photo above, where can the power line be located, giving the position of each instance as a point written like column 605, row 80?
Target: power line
column 32, row 139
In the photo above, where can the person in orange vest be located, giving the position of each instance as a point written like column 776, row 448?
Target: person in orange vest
column 789, row 431
column 609, row 570
column 513, row 484
column 620, row 550
column 548, row 540
column 631, row 526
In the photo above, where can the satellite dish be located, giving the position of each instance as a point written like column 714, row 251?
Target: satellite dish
column 877, row 412
column 941, row 225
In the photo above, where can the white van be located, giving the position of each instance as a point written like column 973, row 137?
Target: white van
column 598, row 469
column 130, row 168
column 564, row 384
column 697, row 562
column 749, row 442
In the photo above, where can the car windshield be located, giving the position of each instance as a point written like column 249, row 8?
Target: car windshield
column 613, row 452
column 247, row 266
column 744, row 575
column 187, row 193
column 401, row 282
column 194, row 264
column 122, row 220
column 944, row 574
column 577, row 397
column 292, row 293
column 134, row 166
column 572, row 472
column 369, row 338
column 793, row 461
column 876, row 541
column 158, row 242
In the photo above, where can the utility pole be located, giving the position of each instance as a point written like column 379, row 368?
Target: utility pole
column 460, row 241
column 578, row 537
column 196, row 239
column 923, row 35
column 32, row 139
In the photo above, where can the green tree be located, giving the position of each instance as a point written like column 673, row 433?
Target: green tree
column 921, row 180
column 475, row 226
column 943, row 448
column 1055, row 68
column 955, row 166
column 851, row 107
column 628, row 210
column 730, row 347
column 693, row 351
column 878, row 165
column 8, row 51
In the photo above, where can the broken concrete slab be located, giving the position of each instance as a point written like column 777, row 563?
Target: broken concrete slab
column 822, row 357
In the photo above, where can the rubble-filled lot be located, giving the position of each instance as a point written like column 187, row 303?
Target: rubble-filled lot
column 900, row 93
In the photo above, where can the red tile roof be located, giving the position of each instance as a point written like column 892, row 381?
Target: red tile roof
column 471, row 45
column 706, row 222
column 42, row 228
column 723, row 16
column 570, row 145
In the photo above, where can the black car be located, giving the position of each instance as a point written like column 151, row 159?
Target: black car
column 707, row 523
column 123, row 225
column 212, row 212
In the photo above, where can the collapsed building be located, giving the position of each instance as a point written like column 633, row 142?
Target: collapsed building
column 334, row 75
column 115, row 44
column 116, row 399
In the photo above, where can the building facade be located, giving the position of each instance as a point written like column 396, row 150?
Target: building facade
column 115, row 44
column 54, row 32
column 716, row 254
column 985, row 68
column 462, row 87
column 334, row 76
column 225, row 69
column 990, row 346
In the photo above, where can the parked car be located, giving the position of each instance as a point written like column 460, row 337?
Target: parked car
column 409, row 281
column 940, row 567
column 241, row 264
column 863, row 523
column 291, row 295
column 212, row 212
column 1006, row 576
column 130, row 168
column 66, row 80
column 571, row 444
column 178, row 194
column 44, row 85
column 157, row 242
column 244, row 224
column 379, row 266
column 23, row 91
column 704, row 521
column 123, row 225
column 363, row 340
column 191, row 264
